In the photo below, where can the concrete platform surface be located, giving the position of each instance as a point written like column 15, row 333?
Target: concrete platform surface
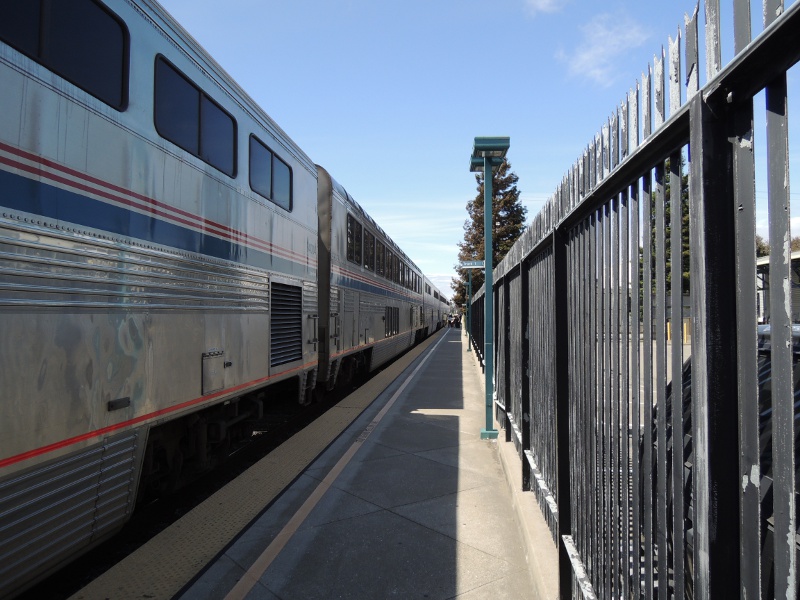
column 408, row 503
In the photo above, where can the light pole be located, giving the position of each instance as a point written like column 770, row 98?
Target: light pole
column 469, row 312
column 488, row 152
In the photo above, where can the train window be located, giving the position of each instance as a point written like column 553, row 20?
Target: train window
column 190, row 119
column 281, row 183
column 389, row 265
column 369, row 250
column 392, row 320
column 357, row 243
column 380, row 259
column 260, row 168
column 20, row 26
column 269, row 175
column 354, row 232
column 177, row 108
column 81, row 41
column 217, row 134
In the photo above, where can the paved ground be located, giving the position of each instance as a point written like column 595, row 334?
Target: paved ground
column 421, row 510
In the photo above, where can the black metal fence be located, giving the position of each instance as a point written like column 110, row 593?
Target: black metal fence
column 597, row 327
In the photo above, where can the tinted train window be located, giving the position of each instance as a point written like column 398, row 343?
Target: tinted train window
column 80, row 41
column 177, row 108
column 380, row 259
column 369, row 251
column 260, row 168
column 389, row 265
column 354, row 231
column 190, row 119
column 281, row 183
column 216, row 136
column 269, row 175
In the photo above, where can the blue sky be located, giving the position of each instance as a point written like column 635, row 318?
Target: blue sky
column 389, row 95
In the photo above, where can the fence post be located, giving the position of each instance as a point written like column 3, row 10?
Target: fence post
column 563, row 438
column 506, row 400
column 525, row 373
column 714, row 423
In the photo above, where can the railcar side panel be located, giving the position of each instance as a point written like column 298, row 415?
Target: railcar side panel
column 140, row 284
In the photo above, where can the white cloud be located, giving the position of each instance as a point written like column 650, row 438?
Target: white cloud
column 544, row 6
column 605, row 39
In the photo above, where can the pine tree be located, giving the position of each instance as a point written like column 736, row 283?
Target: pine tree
column 508, row 223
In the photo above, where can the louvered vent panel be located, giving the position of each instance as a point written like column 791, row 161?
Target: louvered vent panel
column 286, row 330
column 55, row 510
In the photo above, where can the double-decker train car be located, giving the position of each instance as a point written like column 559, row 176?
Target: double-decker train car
column 167, row 254
column 375, row 303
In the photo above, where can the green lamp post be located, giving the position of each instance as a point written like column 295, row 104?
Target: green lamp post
column 487, row 153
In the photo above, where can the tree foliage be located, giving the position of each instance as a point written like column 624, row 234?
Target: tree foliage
column 508, row 223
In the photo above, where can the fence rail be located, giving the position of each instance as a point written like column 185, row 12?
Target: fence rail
column 584, row 354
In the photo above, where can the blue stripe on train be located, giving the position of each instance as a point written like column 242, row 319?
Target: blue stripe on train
column 348, row 282
column 31, row 196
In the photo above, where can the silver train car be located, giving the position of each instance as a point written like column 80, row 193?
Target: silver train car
column 373, row 299
column 167, row 254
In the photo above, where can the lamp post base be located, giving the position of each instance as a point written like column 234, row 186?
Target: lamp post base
column 489, row 434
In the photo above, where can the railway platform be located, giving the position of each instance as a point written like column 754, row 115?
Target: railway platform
column 391, row 494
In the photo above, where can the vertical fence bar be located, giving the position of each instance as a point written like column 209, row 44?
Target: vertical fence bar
column 605, row 383
column 647, row 372
column 783, row 467
column 598, row 533
column 614, row 371
column 525, row 375
column 635, row 395
column 713, row 46
column 692, row 55
column 660, row 383
column 504, row 290
column 636, row 357
column 674, row 74
column 577, row 393
column 585, row 395
column 747, row 357
column 624, row 442
column 714, row 426
column 624, row 395
column 563, row 426
column 659, row 102
column 676, row 321
column 744, row 194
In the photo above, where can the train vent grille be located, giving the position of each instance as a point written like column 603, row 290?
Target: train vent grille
column 286, row 330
